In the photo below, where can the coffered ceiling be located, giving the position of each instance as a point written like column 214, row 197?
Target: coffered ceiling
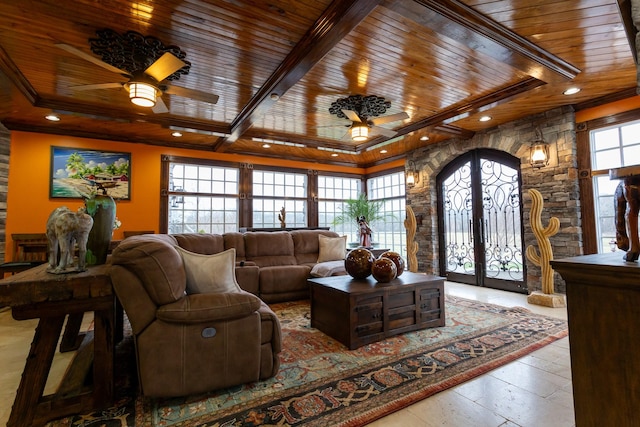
column 277, row 66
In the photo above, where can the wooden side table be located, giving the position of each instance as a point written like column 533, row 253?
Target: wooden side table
column 36, row 294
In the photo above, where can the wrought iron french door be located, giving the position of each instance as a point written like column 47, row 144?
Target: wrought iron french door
column 480, row 221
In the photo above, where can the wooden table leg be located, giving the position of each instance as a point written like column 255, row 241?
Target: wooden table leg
column 104, row 355
column 36, row 371
column 72, row 338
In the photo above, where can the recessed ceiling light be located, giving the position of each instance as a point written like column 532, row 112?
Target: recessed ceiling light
column 176, row 134
column 334, row 154
column 52, row 117
column 424, row 138
column 484, row 118
column 383, row 151
column 266, row 146
column 571, row 91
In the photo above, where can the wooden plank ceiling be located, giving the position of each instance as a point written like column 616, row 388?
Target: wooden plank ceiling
column 278, row 65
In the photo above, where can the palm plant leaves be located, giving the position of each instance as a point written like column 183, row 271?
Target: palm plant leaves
column 372, row 210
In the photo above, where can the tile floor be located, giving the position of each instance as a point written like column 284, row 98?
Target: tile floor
column 530, row 392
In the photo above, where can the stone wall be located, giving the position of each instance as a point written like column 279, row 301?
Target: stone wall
column 5, row 142
column 557, row 182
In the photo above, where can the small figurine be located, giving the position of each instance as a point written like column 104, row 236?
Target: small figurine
column 282, row 217
column 65, row 228
column 365, row 232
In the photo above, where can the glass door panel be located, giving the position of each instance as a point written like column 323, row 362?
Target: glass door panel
column 480, row 221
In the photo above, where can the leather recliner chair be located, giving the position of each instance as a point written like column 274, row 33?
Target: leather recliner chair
column 189, row 344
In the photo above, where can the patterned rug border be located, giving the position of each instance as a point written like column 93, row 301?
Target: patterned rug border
column 358, row 395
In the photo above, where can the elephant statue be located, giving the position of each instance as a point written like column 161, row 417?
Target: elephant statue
column 65, row 228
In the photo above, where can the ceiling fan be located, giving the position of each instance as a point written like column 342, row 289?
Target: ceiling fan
column 146, row 83
column 358, row 109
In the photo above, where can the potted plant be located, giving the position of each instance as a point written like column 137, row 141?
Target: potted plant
column 354, row 209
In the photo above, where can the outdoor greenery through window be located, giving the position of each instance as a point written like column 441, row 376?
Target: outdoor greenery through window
column 202, row 199
column 389, row 232
column 273, row 191
column 611, row 147
column 332, row 192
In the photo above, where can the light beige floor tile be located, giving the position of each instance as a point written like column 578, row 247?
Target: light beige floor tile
column 526, row 409
column 402, row 418
column 530, row 378
column 562, row 397
column 452, row 409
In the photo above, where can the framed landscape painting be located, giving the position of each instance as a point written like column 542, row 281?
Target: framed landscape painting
column 79, row 173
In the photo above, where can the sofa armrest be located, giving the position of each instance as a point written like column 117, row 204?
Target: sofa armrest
column 197, row 308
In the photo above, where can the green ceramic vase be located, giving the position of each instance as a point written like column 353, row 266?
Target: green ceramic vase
column 103, row 210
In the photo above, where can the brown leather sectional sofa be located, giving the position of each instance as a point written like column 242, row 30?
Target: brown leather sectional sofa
column 194, row 343
column 274, row 265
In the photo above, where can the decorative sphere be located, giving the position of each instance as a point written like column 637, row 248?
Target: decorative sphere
column 358, row 263
column 384, row 270
column 397, row 260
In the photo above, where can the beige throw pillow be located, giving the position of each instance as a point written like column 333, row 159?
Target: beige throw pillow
column 207, row 274
column 331, row 248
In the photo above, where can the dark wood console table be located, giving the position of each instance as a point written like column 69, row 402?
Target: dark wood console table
column 361, row 311
column 603, row 305
column 36, row 294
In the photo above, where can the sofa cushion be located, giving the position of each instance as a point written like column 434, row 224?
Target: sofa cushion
column 267, row 248
column 331, row 248
column 283, row 279
column 235, row 240
column 306, row 244
column 201, row 243
column 208, row 274
column 201, row 308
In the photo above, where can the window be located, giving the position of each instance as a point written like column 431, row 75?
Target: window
column 274, row 190
column 332, row 191
column 611, row 147
column 389, row 233
column 202, row 199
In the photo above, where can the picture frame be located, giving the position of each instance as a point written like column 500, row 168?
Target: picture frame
column 78, row 173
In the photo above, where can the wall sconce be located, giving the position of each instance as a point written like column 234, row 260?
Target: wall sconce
column 412, row 176
column 539, row 151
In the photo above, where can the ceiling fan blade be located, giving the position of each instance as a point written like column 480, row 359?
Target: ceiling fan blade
column 97, row 86
column 388, row 119
column 193, row 94
column 351, row 115
column 383, row 131
column 90, row 58
column 164, row 66
column 160, row 106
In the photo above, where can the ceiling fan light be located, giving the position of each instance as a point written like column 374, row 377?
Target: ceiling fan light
column 359, row 132
column 142, row 94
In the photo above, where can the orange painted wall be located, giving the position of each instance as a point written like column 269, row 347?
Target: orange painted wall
column 29, row 205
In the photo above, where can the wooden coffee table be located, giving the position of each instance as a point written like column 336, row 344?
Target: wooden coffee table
column 361, row 311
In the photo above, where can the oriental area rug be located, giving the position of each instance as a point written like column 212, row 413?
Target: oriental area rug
column 322, row 383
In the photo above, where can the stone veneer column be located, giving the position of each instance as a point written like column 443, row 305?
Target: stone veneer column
column 557, row 182
column 5, row 143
